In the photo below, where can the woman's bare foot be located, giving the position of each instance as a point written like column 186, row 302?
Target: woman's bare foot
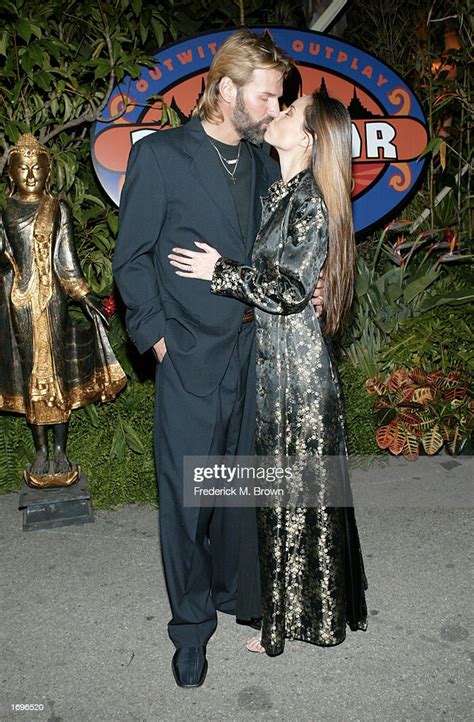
column 254, row 645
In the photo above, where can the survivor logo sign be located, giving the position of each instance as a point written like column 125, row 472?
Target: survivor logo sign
column 389, row 129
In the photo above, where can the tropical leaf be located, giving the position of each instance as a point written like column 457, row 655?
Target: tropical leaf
column 132, row 439
column 375, row 386
column 393, row 291
column 456, row 440
column 419, row 285
column 452, row 379
column 417, row 376
column 432, row 146
column 93, row 416
column 436, row 379
column 397, row 380
column 456, row 403
column 427, row 421
column 117, row 449
column 411, row 448
column 456, row 298
column 384, row 435
column 16, row 450
column 409, row 418
column 432, row 440
column 398, row 441
column 405, row 396
column 455, row 394
column 423, row 395
column 383, row 404
column 448, row 432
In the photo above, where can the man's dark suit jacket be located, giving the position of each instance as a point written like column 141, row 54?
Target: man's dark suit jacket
column 175, row 193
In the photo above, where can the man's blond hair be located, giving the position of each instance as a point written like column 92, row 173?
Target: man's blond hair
column 239, row 55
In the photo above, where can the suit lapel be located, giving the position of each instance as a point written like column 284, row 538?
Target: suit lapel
column 254, row 199
column 259, row 188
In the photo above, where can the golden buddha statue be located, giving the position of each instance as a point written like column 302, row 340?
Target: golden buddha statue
column 49, row 365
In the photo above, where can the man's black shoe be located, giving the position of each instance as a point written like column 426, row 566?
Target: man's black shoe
column 189, row 665
column 255, row 622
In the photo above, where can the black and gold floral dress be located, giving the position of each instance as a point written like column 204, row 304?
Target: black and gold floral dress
column 312, row 572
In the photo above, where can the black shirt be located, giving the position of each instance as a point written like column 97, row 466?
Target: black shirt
column 240, row 189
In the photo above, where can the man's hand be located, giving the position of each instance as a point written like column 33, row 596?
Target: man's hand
column 318, row 295
column 160, row 350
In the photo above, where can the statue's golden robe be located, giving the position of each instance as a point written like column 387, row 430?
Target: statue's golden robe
column 48, row 363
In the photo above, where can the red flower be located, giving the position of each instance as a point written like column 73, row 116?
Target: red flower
column 109, row 305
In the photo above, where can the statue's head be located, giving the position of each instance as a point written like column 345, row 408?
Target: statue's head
column 28, row 168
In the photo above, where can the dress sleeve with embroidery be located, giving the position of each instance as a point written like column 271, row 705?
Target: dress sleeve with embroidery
column 281, row 283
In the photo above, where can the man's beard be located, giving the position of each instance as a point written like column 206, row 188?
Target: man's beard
column 248, row 128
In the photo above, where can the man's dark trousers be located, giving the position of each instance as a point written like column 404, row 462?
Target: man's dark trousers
column 201, row 546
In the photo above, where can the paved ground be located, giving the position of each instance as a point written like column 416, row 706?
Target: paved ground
column 84, row 612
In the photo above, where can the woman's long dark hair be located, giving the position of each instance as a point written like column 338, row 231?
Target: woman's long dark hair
column 329, row 124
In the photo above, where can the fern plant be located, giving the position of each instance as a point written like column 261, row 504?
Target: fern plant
column 16, row 451
column 438, row 339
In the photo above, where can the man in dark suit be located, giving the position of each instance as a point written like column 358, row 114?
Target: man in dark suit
column 201, row 182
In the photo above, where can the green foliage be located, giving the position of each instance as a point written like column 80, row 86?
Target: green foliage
column 16, row 451
column 433, row 340
column 115, row 449
column 392, row 37
column 358, row 403
column 412, row 307
column 60, row 60
column 429, row 43
column 410, row 282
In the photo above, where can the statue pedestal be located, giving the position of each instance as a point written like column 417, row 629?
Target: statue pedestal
column 49, row 508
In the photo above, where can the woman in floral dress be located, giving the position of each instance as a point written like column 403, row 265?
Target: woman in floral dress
column 312, row 571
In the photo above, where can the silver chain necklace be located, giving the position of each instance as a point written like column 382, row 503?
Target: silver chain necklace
column 223, row 160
